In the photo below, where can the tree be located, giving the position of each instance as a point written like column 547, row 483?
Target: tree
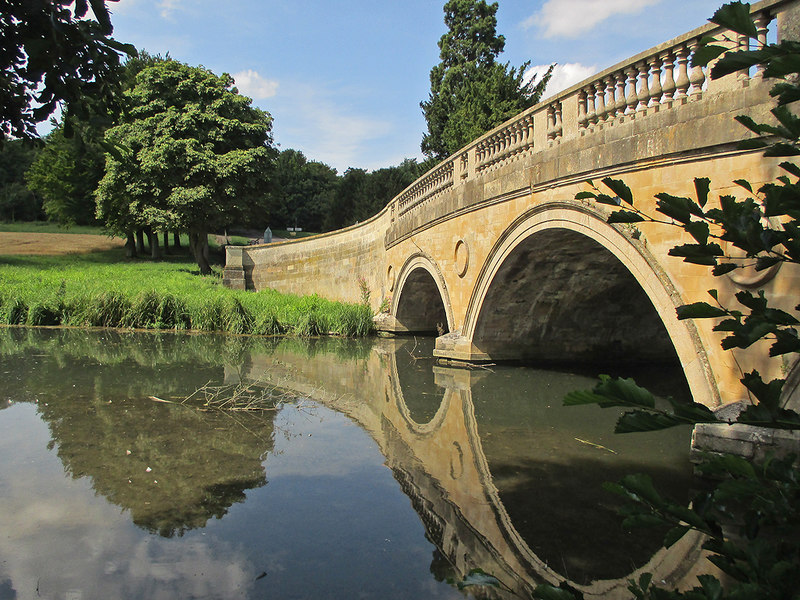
column 751, row 517
column 65, row 174
column 194, row 155
column 349, row 189
column 17, row 202
column 383, row 185
column 470, row 92
column 300, row 192
column 50, row 53
column 68, row 169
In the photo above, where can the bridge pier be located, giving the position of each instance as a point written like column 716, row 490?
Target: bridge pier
column 456, row 347
column 233, row 275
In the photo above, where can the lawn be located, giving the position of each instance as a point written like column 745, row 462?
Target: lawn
column 103, row 289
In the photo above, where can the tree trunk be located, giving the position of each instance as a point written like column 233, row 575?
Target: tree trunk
column 140, row 241
column 198, row 242
column 176, row 239
column 155, row 249
column 130, row 245
column 166, row 241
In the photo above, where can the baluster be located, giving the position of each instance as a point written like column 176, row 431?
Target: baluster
column 611, row 107
column 591, row 108
column 762, row 21
column 743, row 76
column 600, row 100
column 668, row 88
column 655, row 86
column 696, row 75
column 582, row 115
column 528, row 131
column 511, row 136
column 518, row 137
column 622, row 104
column 558, row 124
column 631, row 98
column 551, row 122
column 682, row 81
column 644, row 88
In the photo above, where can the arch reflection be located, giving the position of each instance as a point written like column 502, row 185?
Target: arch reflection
column 503, row 477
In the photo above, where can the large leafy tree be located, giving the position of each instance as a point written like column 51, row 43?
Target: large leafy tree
column 52, row 53
column 470, row 91
column 67, row 170
column 194, row 154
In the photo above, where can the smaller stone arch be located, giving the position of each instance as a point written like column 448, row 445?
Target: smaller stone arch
column 421, row 303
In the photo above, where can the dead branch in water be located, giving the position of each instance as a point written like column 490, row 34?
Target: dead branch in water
column 255, row 396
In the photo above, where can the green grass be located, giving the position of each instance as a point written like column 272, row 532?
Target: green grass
column 103, row 290
column 282, row 233
column 48, row 227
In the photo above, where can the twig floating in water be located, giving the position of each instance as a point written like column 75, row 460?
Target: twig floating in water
column 595, row 445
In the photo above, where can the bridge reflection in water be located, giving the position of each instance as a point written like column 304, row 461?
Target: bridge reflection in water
column 502, row 475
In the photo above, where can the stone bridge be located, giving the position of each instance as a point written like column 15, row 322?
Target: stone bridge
column 491, row 250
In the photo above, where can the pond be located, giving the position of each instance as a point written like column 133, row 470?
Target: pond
column 378, row 474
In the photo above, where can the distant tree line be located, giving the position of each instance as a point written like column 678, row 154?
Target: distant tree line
column 151, row 145
column 57, row 180
column 182, row 151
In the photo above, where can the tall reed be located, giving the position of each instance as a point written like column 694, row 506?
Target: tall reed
column 97, row 290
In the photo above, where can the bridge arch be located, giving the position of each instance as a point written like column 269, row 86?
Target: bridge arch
column 421, row 303
column 539, row 293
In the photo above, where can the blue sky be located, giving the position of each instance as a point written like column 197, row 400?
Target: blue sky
column 343, row 80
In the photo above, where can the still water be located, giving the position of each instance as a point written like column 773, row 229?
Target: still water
column 379, row 475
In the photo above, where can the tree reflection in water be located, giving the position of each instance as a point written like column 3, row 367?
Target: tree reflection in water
column 172, row 467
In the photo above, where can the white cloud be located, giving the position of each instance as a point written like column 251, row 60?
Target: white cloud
column 251, row 83
column 570, row 18
column 323, row 125
column 563, row 76
column 168, row 7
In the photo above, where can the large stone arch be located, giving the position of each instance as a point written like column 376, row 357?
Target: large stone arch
column 421, row 303
column 594, row 252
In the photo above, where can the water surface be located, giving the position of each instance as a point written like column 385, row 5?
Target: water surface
column 379, row 474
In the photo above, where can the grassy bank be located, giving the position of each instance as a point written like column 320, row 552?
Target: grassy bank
column 49, row 227
column 103, row 290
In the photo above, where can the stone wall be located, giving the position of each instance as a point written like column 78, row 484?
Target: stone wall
column 329, row 265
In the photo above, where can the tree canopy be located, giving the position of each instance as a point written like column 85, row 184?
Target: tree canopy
column 195, row 153
column 51, row 53
column 17, row 201
column 470, row 91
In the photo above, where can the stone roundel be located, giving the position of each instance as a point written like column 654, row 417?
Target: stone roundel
column 390, row 278
column 461, row 258
column 748, row 277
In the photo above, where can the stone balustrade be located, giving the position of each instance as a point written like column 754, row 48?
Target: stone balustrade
column 516, row 137
column 662, row 78
column 432, row 183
